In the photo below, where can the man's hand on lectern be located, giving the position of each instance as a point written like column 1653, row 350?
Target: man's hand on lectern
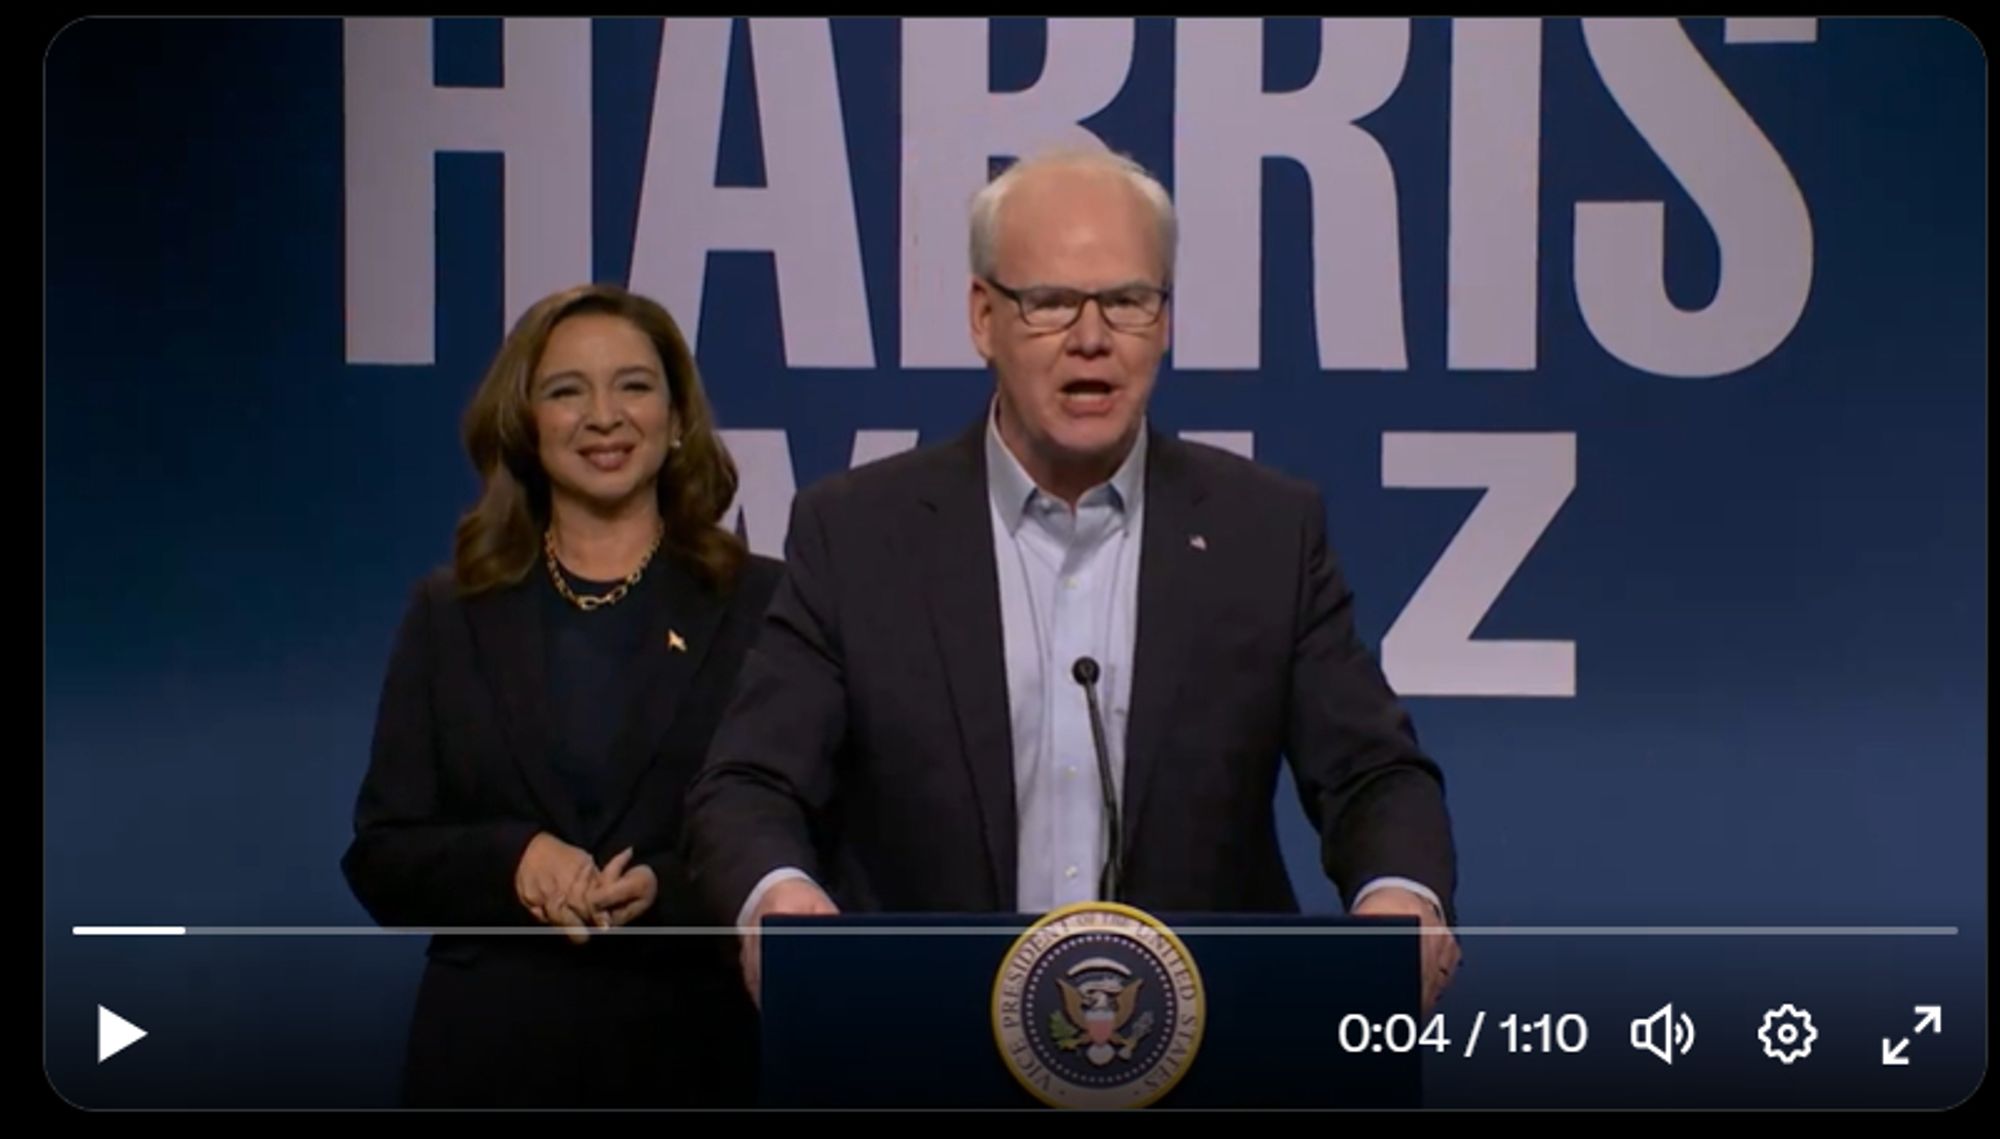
column 791, row 896
column 1440, row 948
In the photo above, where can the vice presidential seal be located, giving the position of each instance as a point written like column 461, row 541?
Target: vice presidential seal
column 1098, row 1005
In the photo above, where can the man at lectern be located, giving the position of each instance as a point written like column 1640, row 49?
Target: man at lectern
column 1061, row 657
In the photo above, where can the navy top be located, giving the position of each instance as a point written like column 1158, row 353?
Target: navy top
column 591, row 677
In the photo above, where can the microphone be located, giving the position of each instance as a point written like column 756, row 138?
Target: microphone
column 1111, row 882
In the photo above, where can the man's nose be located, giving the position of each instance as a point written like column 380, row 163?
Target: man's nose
column 1091, row 333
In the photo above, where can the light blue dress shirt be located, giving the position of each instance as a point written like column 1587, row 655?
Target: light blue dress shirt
column 1069, row 587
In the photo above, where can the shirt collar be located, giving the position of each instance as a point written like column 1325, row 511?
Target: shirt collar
column 1013, row 491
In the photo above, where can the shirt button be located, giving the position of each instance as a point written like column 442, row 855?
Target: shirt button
column 1071, row 770
column 1070, row 873
column 1069, row 583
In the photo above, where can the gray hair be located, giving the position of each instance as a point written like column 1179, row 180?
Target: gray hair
column 986, row 204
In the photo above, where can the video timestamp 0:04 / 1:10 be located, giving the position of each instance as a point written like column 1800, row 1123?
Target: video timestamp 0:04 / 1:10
column 1514, row 1033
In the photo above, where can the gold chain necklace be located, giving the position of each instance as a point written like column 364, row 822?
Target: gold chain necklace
column 616, row 595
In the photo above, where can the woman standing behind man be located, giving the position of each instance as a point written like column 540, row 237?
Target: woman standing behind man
column 548, row 698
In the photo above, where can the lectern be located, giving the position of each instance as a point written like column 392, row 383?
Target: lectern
column 1097, row 1005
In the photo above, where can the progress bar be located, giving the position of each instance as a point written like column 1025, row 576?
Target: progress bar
column 1012, row 931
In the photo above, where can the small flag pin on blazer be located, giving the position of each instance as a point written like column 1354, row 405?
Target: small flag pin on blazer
column 1197, row 541
column 675, row 643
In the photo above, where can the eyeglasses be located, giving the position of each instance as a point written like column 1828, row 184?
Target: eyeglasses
column 1052, row 308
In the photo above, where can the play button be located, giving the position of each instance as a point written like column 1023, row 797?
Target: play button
column 114, row 1034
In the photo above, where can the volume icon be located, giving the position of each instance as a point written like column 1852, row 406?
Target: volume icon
column 1663, row 1035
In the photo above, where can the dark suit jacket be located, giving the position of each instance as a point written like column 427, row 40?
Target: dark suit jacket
column 870, row 740
column 459, row 782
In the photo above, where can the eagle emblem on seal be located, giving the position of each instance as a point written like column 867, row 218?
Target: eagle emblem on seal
column 1097, row 1009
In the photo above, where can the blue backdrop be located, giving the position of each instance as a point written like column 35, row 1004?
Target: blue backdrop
column 1654, row 349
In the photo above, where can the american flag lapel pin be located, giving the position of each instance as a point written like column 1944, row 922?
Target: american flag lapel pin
column 1197, row 541
column 675, row 643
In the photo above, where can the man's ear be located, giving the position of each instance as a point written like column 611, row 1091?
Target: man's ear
column 979, row 314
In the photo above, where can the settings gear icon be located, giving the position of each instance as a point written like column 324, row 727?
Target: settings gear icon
column 1788, row 1033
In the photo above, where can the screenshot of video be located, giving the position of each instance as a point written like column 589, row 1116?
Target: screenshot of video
column 1020, row 563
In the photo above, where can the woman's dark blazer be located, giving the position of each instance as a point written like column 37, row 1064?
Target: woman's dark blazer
column 459, row 781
